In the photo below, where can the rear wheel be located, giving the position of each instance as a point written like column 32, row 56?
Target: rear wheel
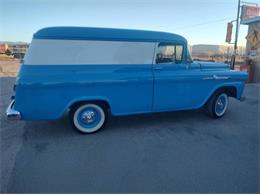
column 88, row 118
column 217, row 105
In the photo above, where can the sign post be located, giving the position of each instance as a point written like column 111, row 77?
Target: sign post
column 233, row 59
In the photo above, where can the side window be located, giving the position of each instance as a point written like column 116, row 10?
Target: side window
column 179, row 50
column 169, row 53
column 165, row 54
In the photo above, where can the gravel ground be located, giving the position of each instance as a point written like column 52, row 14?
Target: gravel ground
column 9, row 66
column 179, row 152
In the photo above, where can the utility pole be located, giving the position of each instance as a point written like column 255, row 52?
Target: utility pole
column 233, row 61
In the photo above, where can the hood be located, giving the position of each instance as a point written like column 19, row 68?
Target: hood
column 212, row 65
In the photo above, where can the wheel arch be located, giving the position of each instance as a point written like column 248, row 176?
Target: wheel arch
column 230, row 90
column 103, row 102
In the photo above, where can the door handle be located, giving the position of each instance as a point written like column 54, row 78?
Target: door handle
column 158, row 68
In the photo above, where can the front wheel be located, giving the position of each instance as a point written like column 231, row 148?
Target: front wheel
column 217, row 105
column 88, row 118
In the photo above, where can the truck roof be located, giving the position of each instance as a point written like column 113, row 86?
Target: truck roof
column 111, row 34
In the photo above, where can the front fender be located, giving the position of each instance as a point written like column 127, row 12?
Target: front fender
column 237, row 84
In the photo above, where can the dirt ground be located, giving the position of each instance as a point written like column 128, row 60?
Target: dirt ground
column 9, row 66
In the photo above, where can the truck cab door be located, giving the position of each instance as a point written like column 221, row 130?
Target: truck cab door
column 173, row 78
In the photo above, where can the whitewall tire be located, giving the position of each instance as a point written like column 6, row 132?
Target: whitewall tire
column 218, row 105
column 88, row 118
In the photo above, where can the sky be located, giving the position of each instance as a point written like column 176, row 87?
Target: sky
column 200, row 21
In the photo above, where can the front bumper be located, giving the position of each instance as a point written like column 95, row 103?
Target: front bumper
column 11, row 113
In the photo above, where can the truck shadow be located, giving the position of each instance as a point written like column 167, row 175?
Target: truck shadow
column 142, row 122
column 154, row 119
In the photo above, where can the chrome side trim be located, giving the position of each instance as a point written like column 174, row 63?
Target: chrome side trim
column 11, row 113
column 215, row 77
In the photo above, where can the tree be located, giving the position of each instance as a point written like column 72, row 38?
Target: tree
column 8, row 52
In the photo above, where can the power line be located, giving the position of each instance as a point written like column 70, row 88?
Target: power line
column 204, row 23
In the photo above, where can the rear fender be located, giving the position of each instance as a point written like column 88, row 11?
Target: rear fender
column 87, row 98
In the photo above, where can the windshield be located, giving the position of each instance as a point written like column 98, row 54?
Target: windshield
column 189, row 58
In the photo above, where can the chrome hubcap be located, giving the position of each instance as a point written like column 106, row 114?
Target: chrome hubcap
column 88, row 116
column 221, row 104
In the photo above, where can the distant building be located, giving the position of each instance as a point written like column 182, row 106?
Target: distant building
column 251, row 17
column 207, row 49
column 3, row 48
column 18, row 50
column 221, row 53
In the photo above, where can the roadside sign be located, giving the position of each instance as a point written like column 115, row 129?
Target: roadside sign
column 229, row 32
column 249, row 12
column 254, row 36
